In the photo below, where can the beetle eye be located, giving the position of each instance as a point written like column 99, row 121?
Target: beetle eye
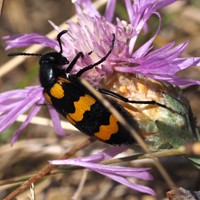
column 51, row 59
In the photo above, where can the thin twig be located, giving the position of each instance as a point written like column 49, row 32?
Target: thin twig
column 32, row 192
column 81, row 185
column 46, row 122
column 1, row 6
column 136, row 157
column 47, row 169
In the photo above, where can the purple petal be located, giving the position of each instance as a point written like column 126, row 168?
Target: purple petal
column 111, row 174
column 88, row 6
column 144, row 49
column 130, row 11
column 105, row 155
column 142, row 10
column 162, row 64
column 140, row 188
column 176, row 80
column 115, row 170
column 163, row 3
column 31, row 96
column 16, row 41
column 184, row 63
column 169, row 54
column 31, row 114
column 116, row 173
column 139, row 12
column 56, row 122
column 110, row 9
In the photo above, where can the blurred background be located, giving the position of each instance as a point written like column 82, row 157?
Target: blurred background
column 38, row 144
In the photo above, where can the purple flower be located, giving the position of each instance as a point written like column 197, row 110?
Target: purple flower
column 117, row 173
column 96, row 32
column 22, row 40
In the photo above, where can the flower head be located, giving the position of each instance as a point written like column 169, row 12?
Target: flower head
column 93, row 32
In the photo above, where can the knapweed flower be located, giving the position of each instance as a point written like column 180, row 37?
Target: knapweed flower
column 139, row 74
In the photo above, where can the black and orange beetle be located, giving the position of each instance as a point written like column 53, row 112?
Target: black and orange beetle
column 77, row 104
column 64, row 91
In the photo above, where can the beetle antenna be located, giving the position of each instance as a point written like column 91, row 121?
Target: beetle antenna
column 59, row 39
column 24, row 54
